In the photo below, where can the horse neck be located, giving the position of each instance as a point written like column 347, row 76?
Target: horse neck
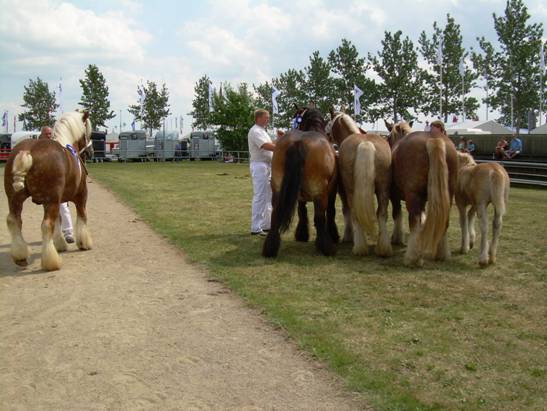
column 314, row 125
column 344, row 128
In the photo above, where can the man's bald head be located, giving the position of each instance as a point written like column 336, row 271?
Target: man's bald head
column 46, row 132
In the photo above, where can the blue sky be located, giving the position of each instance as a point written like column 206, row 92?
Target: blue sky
column 177, row 42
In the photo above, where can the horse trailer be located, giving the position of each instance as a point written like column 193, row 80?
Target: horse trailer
column 134, row 145
column 166, row 145
column 98, row 139
column 203, row 145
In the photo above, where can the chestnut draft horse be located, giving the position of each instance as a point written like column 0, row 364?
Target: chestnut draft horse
column 304, row 169
column 364, row 164
column 478, row 186
column 425, row 172
column 50, row 172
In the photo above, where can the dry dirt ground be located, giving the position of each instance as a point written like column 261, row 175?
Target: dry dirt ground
column 131, row 325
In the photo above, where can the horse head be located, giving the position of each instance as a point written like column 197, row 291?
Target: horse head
column 312, row 119
column 340, row 126
column 465, row 160
column 397, row 131
column 74, row 129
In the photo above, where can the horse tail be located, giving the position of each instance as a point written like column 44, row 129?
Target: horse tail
column 21, row 165
column 290, row 186
column 500, row 189
column 438, row 196
column 364, row 174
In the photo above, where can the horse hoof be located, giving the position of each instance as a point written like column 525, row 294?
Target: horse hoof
column 483, row 264
column 21, row 263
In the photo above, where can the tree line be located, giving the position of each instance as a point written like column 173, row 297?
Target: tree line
column 408, row 86
column 510, row 72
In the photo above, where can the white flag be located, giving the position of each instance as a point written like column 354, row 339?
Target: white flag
column 440, row 52
column 60, row 96
column 542, row 59
column 357, row 93
column 275, row 93
column 211, row 92
column 461, row 67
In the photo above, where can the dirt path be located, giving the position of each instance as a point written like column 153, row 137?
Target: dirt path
column 130, row 325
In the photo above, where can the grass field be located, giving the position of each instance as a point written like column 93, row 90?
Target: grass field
column 448, row 336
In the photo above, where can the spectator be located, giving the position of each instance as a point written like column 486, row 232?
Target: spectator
column 471, row 147
column 515, row 148
column 501, row 147
column 462, row 145
column 427, row 126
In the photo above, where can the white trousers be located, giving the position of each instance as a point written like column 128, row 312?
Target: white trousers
column 262, row 196
column 66, row 219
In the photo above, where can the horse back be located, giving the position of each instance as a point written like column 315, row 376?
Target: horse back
column 410, row 162
column 55, row 174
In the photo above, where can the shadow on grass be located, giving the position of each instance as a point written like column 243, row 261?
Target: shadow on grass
column 240, row 250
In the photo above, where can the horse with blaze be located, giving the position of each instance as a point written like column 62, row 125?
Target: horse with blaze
column 303, row 170
column 49, row 172
column 425, row 172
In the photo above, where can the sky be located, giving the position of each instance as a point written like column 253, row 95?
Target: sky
column 177, row 42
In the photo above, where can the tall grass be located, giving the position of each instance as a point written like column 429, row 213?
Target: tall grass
column 447, row 336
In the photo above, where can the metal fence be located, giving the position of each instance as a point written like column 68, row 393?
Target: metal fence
column 177, row 155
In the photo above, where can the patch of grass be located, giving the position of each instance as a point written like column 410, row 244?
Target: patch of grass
column 448, row 336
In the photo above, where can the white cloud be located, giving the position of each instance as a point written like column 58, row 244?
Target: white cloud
column 33, row 30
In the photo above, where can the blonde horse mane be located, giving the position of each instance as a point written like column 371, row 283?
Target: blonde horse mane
column 465, row 160
column 70, row 128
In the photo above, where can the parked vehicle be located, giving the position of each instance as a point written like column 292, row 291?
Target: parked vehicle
column 204, row 145
column 165, row 145
column 135, row 145
column 99, row 146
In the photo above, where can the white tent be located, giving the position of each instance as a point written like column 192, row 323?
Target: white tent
column 478, row 127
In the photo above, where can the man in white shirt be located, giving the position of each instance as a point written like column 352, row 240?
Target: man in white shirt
column 261, row 150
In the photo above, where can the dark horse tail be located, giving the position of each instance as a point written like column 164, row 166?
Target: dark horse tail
column 290, row 186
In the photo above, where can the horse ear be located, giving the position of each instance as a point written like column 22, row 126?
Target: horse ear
column 296, row 106
column 411, row 122
column 331, row 110
column 85, row 116
column 389, row 125
column 311, row 104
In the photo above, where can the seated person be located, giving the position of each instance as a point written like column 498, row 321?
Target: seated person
column 471, row 147
column 462, row 145
column 501, row 147
column 515, row 148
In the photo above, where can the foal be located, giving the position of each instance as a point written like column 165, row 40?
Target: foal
column 479, row 185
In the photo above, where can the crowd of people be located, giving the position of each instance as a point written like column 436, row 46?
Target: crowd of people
column 508, row 151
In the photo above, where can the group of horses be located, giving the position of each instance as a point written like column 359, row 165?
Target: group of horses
column 420, row 168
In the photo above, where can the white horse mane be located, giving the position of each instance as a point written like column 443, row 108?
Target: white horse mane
column 70, row 128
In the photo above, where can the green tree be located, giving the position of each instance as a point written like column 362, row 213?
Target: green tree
column 40, row 105
column 263, row 96
column 349, row 70
column 485, row 68
column 155, row 106
column 200, row 104
column 318, row 84
column 451, row 85
column 291, row 84
column 515, row 66
column 401, row 88
column 233, row 116
column 95, row 97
